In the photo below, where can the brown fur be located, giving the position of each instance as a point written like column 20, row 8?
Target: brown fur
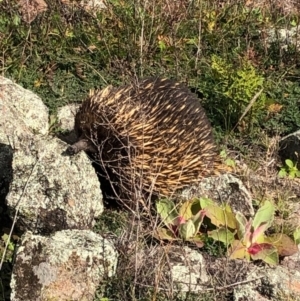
column 154, row 135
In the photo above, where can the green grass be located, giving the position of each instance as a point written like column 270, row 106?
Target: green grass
column 66, row 52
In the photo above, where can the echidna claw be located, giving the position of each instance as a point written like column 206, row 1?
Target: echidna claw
column 71, row 150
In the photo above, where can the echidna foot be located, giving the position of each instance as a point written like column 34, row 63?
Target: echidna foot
column 81, row 145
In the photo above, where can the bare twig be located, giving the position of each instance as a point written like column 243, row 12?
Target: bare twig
column 253, row 100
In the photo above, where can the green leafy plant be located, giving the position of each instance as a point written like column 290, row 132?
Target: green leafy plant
column 244, row 238
column 290, row 169
column 297, row 235
column 236, row 87
column 251, row 236
column 182, row 224
column 10, row 248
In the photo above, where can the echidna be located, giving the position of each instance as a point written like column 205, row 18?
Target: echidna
column 154, row 135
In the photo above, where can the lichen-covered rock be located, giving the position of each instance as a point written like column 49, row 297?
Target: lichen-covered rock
column 222, row 189
column 66, row 116
column 171, row 268
column 22, row 114
column 89, row 5
column 29, row 10
column 70, row 265
column 50, row 191
column 277, row 283
column 187, row 269
column 66, row 121
column 20, row 109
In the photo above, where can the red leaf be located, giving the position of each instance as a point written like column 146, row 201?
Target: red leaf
column 256, row 248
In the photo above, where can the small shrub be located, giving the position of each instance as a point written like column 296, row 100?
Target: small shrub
column 234, row 88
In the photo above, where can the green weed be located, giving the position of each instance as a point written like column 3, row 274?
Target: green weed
column 289, row 170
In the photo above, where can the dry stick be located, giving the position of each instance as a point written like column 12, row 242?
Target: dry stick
column 248, row 108
column 96, row 71
column 23, row 50
column 218, row 288
column 199, row 44
column 142, row 16
column 16, row 215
